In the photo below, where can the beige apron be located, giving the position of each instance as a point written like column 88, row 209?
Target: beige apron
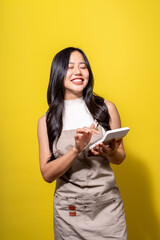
column 87, row 201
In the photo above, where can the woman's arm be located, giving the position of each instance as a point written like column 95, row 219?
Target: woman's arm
column 114, row 152
column 56, row 168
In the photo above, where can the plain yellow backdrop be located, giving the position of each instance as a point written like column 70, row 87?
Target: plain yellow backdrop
column 122, row 41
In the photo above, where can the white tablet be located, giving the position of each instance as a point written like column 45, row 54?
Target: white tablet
column 117, row 133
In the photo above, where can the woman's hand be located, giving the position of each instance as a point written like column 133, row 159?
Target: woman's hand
column 114, row 152
column 83, row 136
column 106, row 150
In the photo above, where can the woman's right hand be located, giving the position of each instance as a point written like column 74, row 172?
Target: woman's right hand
column 83, row 136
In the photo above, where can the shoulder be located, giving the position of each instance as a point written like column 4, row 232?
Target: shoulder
column 41, row 122
column 110, row 105
column 115, row 121
column 42, row 119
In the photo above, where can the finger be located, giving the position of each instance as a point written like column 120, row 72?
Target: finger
column 83, row 130
column 95, row 131
column 92, row 126
column 106, row 148
column 101, row 151
column 79, row 135
column 97, row 147
column 94, row 151
column 86, row 130
column 91, row 130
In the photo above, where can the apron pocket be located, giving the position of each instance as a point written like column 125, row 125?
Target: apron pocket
column 102, row 214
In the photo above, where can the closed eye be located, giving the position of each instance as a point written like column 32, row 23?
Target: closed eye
column 70, row 67
column 83, row 66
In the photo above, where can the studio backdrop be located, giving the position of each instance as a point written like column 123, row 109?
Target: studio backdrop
column 122, row 41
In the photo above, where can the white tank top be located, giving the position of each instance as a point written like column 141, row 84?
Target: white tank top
column 76, row 114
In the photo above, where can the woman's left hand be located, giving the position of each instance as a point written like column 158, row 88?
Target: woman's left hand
column 113, row 151
column 107, row 150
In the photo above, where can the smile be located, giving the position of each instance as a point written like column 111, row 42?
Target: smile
column 78, row 80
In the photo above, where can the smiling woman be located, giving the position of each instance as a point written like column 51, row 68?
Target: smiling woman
column 87, row 201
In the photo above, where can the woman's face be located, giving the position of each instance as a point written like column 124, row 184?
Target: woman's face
column 77, row 76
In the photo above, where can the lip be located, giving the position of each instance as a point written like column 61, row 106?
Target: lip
column 80, row 82
column 77, row 79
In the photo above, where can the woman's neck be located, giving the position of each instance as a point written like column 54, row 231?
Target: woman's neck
column 72, row 96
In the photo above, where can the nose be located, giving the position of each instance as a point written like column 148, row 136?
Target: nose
column 77, row 71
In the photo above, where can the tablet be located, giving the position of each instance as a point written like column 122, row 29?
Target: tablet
column 111, row 134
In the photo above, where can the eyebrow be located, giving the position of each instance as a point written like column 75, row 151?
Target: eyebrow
column 74, row 63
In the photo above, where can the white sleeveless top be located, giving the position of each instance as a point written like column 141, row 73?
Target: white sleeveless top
column 76, row 114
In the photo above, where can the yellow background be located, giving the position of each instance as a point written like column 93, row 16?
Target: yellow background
column 122, row 41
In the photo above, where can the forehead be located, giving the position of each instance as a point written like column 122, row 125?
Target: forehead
column 76, row 57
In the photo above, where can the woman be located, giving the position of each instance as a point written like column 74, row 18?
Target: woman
column 87, row 202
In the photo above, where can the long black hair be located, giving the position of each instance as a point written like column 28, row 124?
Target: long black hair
column 55, row 97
